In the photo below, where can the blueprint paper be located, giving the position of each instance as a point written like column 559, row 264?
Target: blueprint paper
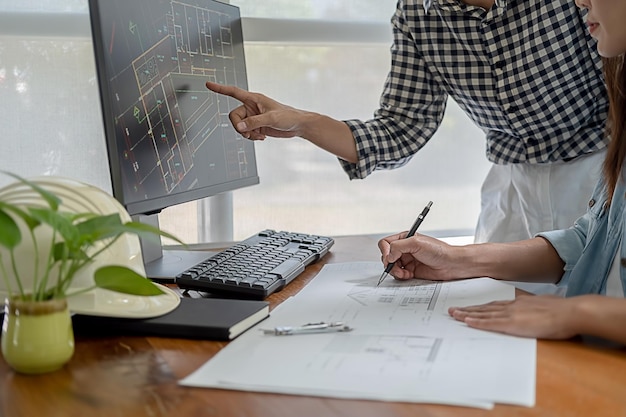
column 404, row 346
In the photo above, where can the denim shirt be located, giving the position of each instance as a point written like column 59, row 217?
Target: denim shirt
column 589, row 247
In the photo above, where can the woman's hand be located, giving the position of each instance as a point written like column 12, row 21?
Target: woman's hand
column 421, row 256
column 540, row 316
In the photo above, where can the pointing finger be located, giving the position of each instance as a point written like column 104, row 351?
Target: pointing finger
column 229, row 90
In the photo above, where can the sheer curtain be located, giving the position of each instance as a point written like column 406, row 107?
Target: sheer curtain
column 321, row 55
column 49, row 106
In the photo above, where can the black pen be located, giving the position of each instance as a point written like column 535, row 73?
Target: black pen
column 417, row 223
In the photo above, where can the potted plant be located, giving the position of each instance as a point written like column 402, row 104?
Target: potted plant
column 44, row 247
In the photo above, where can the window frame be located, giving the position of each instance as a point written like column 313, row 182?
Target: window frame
column 76, row 25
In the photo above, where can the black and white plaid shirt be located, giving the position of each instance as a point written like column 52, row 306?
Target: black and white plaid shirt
column 527, row 72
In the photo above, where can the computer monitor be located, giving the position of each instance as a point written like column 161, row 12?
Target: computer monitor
column 168, row 138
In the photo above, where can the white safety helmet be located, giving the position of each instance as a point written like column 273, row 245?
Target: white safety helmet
column 78, row 197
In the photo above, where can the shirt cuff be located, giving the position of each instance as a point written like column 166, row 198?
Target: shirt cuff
column 568, row 246
column 364, row 165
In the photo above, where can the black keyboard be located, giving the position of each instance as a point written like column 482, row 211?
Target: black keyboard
column 256, row 267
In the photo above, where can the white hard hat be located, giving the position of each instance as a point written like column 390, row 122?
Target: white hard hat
column 78, row 197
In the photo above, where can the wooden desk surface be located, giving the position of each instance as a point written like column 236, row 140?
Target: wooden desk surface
column 137, row 376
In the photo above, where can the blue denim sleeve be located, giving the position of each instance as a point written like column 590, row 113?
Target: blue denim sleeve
column 569, row 244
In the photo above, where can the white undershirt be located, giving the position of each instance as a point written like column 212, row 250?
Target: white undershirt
column 614, row 282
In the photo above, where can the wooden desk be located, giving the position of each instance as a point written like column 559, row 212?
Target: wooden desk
column 137, row 376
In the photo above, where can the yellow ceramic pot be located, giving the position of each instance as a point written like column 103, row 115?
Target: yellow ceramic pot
column 37, row 336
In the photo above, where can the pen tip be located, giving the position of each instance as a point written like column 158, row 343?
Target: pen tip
column 382, row 278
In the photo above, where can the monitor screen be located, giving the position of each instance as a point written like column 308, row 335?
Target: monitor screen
column 169, row 139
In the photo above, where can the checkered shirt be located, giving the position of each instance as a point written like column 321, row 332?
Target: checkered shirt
column 526, row 72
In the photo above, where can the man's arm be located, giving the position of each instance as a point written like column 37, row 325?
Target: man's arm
column 260, row 116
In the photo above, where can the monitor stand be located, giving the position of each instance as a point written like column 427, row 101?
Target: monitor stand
column 164, row 265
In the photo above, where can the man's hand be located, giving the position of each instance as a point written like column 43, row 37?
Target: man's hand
column 260, row 116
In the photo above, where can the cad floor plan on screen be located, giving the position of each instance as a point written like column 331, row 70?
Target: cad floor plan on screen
column 164, row 114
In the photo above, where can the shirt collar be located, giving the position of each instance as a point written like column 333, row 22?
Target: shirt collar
column 428, row 3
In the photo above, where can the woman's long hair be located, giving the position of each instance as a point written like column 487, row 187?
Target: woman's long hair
column 615, row 75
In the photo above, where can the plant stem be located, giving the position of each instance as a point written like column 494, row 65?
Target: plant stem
column 105, row 247
column 16, row 273
column 49, row 265
column 81, row 291
column 68, row 275
column 5, row 276
column 36, row 250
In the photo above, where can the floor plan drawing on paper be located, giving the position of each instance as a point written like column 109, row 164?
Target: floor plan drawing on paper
column 412, row 307
column 423, row 293
column 389, row 355
column 403, row 346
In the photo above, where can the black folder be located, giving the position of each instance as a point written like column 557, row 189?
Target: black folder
column 194, row 318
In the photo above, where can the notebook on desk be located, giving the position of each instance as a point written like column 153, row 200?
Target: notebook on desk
column 194, row 318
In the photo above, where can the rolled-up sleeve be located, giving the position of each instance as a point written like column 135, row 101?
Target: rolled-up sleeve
column 411, row 109
column 569, row 244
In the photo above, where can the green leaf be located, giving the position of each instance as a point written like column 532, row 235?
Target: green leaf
column 62, row 251
column 31, row 223
column 125, row 280
column 10, row 235
column 52, row 200
column 59, row 222
column 100, row 227
column 145, row 229
column 82, row 216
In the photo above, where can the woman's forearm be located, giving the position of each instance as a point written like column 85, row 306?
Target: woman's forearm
column 532, row 260
column 600, row 316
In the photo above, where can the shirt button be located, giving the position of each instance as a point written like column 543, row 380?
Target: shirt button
column 500, row 64
column 623, row 262
column 592, row 203
column 605, row 206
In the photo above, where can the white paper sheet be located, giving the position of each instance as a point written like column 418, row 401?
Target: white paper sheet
column 404, row 346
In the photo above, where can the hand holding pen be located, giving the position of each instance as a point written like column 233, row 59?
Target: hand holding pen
column 412, row 231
